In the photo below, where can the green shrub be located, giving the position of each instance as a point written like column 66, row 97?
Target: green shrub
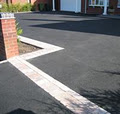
column 33, row 8
column 41, row 7
column 27, row 7
column 4, row 8
column 14, row 8
column 19, row 29
column 17, row 7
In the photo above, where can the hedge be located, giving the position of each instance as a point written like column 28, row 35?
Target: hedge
column 17, row 7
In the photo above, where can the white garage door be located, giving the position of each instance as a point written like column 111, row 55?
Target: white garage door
column 70, row 5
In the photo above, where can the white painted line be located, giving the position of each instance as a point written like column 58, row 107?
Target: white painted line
column 69, row 98
column 47, row 48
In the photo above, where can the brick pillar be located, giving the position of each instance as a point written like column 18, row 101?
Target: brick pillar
column 8, row 36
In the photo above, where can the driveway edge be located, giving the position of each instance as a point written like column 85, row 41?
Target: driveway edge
column 69, row 98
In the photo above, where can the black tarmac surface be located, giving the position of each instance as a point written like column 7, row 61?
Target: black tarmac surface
column 19, row 95
column 90, row 62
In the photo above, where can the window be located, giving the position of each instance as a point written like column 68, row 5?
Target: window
column 118, row 4
column 97, row 2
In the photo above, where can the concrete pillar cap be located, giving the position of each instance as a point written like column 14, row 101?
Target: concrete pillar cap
column 7, row 15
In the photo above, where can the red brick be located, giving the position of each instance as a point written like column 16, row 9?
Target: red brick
column 8, row 44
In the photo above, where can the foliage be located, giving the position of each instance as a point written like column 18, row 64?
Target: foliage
column 18, row 40
column 19, row 31
column 14, row 8
column 17, row 7
column 41, row 6
column 33, row 8
column 27, row 7
column 4, row 8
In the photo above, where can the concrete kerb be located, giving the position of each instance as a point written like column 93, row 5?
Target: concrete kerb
column 23, row 12
column 72, row 100
column 3, row 61
column 46, row 48
column 110, row 16
column 69, row 98
column 27, row 12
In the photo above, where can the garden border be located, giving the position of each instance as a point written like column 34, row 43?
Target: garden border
column 46, row 48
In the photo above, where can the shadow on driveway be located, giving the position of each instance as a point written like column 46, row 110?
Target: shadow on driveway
column 109, row 100
column 21, row 111
column 96, row 26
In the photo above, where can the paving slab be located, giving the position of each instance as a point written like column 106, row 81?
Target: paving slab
column 69, row 98
column 19, row 95
column 89, row 64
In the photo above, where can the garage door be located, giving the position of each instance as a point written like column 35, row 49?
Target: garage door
column 70, row 5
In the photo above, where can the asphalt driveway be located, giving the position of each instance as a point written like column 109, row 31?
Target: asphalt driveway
column 90, row 62
column 19, row 95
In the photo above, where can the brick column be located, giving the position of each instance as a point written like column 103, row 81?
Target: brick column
column 8, row 36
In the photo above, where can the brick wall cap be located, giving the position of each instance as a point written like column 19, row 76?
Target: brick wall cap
column 7, row 15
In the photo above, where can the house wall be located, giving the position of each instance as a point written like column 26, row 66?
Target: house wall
column 2, row 1
column 14, row 1
column 24, row 1
column 33, row 1
column 99, row 10
column 19, row 1
column 5, row 1
column 114, row 3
